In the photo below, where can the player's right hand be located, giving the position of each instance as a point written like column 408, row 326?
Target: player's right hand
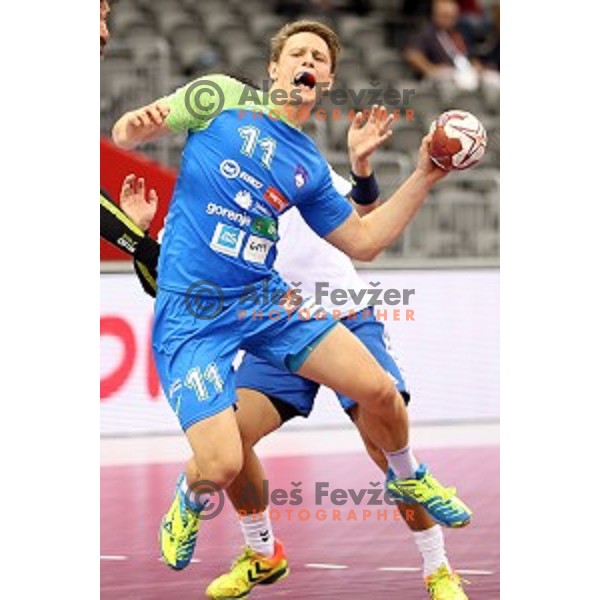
column 135, row 205
column 147, row 116
column 424, row 163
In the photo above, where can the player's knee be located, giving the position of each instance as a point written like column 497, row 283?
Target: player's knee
column 226, row 472
column 222, row 470
column 382, row 395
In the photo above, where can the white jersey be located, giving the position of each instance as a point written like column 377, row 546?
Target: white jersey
column 305, row 259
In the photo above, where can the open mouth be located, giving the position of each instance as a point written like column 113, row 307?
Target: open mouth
column 306, row 79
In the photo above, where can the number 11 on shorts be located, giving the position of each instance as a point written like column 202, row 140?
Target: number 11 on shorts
column 197, row 381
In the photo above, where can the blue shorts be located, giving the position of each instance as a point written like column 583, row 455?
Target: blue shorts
column 194, row 356
column 293, row 395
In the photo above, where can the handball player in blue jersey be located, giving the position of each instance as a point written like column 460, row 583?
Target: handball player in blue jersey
column 245, row 163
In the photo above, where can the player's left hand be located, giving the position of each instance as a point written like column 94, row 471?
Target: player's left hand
column 135, row 205
column 368, row 131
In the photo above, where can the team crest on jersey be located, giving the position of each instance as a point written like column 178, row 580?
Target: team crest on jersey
column 300, row 176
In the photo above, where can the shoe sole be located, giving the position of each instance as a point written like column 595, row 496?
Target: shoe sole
column 458, row 525
column 413, row 502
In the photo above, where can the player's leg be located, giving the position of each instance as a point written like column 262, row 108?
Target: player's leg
column 440, row 580
column 415, row 516
column 263, row 560
column 267, row 397
column 195, row 370
column 256, row 417
column 330, row 354
column 216, row 460
column 341, row 361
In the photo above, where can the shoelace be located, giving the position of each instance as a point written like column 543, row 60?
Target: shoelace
column 248, row 553
column 445, row 493
column 443, row 575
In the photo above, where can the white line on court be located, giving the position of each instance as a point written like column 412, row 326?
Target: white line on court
column 415, row 569
column 120, row 557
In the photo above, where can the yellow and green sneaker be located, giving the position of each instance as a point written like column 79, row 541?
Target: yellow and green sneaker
column 444, row 584
column 178, row 531
column 248, row 570
column 442, row 504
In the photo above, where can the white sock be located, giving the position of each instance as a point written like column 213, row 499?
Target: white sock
column 195, row 501
column 258, row 532
column 403, row 463
column 431, row 546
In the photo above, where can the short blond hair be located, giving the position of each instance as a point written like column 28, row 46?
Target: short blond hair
column 325, row 33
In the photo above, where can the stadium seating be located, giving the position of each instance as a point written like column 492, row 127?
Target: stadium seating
column 158, row 46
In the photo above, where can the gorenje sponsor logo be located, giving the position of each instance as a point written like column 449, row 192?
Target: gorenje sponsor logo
column 232, row 215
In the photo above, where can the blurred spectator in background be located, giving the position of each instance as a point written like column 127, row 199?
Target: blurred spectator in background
column 328, row 8
column 415, row 8
column 488, row 51
column 439, row 50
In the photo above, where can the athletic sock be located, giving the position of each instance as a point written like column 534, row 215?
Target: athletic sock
column 258, row 532
column 194, row 501
column 403, row 463
column 431, row 546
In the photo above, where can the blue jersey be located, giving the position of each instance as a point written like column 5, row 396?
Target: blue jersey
column 239, row 171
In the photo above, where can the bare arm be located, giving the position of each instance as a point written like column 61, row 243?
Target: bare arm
column 364, row 238
column 141, row 125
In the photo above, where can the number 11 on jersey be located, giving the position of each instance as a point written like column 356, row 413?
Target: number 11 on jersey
column 251, row 136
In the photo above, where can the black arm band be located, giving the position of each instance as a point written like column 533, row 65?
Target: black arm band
column 119, row 230
column 364, row 190
column 147, row 252
column 145, row 263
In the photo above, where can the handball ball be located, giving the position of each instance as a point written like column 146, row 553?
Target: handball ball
column 458, row 142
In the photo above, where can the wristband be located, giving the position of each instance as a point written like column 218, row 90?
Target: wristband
column 364, row 190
